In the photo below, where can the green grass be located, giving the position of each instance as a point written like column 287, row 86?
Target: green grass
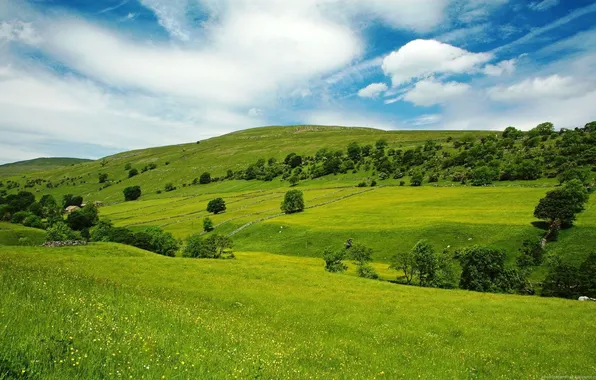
column 112, row 311
column 16, row 234
column 37, row 165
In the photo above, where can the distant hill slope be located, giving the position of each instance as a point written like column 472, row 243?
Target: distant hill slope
column 38, row 164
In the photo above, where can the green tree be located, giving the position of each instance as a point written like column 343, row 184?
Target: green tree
column 205, row 178
column 83, row 219
column 216, row 206
column 294, row 180
column 483, row 270
column 482, row 176
column 425, row 263
column 560, row 206
column 562, row 280
column 587, row 276
column 213, row 247
column 293, row 202
column 61, row 232
column 417, row 178
column 404, row 261
column 132, row 193
column 207, row 224
column 132, row 172
column 354, row 151
column 334, row 260
column 162, row 242
column 103, row 177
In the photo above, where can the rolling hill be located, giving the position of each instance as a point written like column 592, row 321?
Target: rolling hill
column 37, row 165
column 112, row 310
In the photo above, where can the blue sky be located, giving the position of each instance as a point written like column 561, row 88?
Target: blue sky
column 90, row 78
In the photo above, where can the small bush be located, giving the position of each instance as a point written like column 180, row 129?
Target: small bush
column 61, row 232
column 132, row 172
column 367, row 271
column 33, row 221
column 373, row 183
column 213, row 247
column 132, row 193
column 207, row 224
column 362, row 184
column 169, row 187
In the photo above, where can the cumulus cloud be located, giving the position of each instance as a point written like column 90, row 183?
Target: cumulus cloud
column 430, row 91
column 373, row 90
column 423, row 58
column 254, row 112
column 502, row 68
column 19, row 31
column 554, row 86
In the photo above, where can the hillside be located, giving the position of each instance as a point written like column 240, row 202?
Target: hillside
column 37, row 165
column 389, row 218
column 108, row 311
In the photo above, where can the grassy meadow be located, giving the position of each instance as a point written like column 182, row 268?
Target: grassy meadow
column 114, row 311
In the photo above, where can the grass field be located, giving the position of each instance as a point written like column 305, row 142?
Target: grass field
column 16, row 234
column 113, row 311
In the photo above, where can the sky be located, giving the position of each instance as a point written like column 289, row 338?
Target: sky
column 87, row 79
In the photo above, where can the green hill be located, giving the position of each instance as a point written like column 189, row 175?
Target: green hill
column 38, row 165
column 105, row 310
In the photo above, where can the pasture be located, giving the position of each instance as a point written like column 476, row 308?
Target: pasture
column 107, row 310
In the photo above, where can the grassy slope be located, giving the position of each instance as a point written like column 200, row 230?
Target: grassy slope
column 10, row 234
column 37, row 165
column 107, row 310
column 233, row 151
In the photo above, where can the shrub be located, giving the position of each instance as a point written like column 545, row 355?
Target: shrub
column 128, row 166
column 102, row 231
column 72, row 200
column 293, row 202
column 33, row 221
column 402, row 183
column 294, row 180
column 61, row 232
column 367, row 271
column 362, row 184
column 103, row 177
column 132, row 172
column 333, row 260
column 483, row 270
column 383, row 176
column 482, row 176
column 207, row 224
column 162, row 242
column 361, row 254
column 373, row 183
column 169, row 187
column 132, row 193
column 19, row 216
column 205, row 178
column 83, row 219
column 416, row 179
column 213, row 247
column 216, row 206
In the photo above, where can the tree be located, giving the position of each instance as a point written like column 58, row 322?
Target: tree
column 293, row 202
column 404, row 261
column 103, row 177
column 205, row 178
column 543, row 129
column 162, row 242
column 562, row 280
column 334, row 260
column 169, row 187
column 72, row 200
column 483, row 270
column 216, row 206
column 132, row 172
column 417, row 178
column 354, row 151
column 294, row 180
column 132, row 193
column 363, row 256
column 61, row 232
column 207, row 224
column 587, row 276
column 512, row 133
column 83, row 219
column 33, row 221
column 425, row 263
column 482, row 176
column 213, row 247
column 559, row 206
column 103, row 162
column 381, row 144
column 128, row 166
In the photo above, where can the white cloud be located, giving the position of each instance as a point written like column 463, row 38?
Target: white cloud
column 543, row 5
column 430, row 91
column 351, row 118
column 423, row 58
column 425, row 120
column 18, row 31
column 254, row 112
column 506, row 67
column 551, row 87
column 373, row 90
